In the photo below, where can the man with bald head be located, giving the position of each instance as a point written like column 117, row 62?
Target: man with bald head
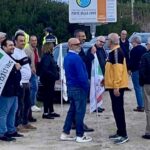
column 116, row 80
column 77, row 90
column 98, row 48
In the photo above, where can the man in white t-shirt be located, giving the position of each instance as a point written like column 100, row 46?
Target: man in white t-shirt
column 24, row 102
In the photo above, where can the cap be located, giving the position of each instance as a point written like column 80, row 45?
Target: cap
column 2, row 34
column 48, row 29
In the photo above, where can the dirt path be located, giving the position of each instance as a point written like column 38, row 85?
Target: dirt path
column 46, row 137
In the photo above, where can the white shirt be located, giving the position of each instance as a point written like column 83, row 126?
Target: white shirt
column 25, row 69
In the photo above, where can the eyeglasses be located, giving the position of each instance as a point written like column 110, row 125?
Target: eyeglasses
column 102, row 41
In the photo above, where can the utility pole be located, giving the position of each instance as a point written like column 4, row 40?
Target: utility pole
column 132, row 11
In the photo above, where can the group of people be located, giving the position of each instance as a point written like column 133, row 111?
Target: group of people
column 116, row 66
column 18, row 96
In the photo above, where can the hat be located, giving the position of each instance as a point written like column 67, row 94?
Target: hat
column 48, row 29
column 2, row 34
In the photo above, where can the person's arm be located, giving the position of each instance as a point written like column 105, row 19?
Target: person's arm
column 142, row 70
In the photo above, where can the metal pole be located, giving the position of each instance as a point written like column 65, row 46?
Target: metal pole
column 132, row 11
column 93, row 29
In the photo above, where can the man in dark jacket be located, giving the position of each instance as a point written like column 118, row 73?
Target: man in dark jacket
column 135, row 56
column 101, row 55
column 8, row 98
column 144, row 79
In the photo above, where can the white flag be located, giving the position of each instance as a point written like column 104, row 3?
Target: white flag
column 6, row 65
column 60, row 62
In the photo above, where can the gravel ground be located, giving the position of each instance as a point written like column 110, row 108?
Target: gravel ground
column 46, row 137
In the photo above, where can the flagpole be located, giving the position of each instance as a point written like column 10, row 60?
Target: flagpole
column 61, row 75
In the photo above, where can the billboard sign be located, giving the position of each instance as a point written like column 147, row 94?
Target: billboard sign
column 92, row 11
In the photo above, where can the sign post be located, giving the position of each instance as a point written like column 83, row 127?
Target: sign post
column 92, row 12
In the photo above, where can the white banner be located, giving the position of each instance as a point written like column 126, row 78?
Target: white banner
column 60, row 62
column 96, row 89
column 6, row 65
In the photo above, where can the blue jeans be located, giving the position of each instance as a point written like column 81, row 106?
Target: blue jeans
column 33, row 88
column 137, row 88
column 8, row 108
column 77, row 98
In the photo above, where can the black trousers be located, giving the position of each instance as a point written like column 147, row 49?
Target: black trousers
column 48, row 96
column 118, row 111
column 24, row 105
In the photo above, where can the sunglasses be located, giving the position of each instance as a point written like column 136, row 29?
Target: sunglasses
column 102, row 42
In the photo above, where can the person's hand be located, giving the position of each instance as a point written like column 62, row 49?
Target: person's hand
column 93, row 50
column 102, row 82
column 18, row 66
column 116, row 92
column 33, row 70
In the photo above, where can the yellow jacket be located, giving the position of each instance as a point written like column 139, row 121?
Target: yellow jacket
column 116, row 75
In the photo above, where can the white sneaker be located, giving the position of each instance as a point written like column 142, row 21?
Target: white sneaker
column 35, row 108
column 83, row 139
column 67, row 137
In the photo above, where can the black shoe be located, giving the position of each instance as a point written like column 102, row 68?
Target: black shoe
column 114, row 137
column 128, row 89
column 53, row 114
column 47, row 116
column 15, row 134
column 87, row 129
column 32, row 119
column 7, row 139
column 146, row 137
column 100, row 110
column 139, row 109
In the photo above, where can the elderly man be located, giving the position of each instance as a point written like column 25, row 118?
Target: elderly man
column 144, row 76
column 135, row 56
column 78, row 87
column 101, row 55
column 81, row 36
column 116, row 79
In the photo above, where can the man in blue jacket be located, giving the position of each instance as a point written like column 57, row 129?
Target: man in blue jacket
column 77, row 88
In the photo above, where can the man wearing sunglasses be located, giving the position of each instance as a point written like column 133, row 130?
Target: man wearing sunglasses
column 77, row 90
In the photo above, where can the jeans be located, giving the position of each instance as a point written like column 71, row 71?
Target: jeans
column 24, row 105
column 8, row 108
column 33, row 88
column 118, row 111
column 77, row 98
column 137, row 88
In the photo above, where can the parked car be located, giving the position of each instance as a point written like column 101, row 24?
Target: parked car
column 144, row 36
column 56, row 54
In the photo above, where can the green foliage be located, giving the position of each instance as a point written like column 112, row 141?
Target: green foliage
column 35, row 15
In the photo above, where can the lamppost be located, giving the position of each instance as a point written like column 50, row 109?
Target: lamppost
column 132, row 11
